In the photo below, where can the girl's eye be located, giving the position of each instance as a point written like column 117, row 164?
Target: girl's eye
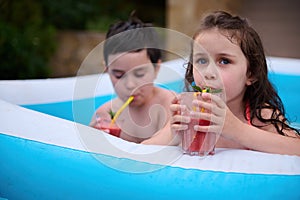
column 202, row 61
column 224, row 61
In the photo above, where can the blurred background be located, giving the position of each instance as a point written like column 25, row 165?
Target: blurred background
column 46, row 38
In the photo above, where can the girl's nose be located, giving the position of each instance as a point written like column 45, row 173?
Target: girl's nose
column 209, row 76
column 210, row 72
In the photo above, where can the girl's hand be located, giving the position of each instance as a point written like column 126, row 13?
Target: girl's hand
column 177, row 121
column 215, row 112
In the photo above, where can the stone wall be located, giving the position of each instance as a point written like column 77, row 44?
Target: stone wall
column 73, row 48
column 276, row 22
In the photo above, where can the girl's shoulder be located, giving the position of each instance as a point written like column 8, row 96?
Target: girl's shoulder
column 268, row 113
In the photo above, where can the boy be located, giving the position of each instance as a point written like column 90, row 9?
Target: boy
column 132, row 57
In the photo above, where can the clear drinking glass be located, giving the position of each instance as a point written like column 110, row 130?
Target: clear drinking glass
column 106, row 126
column 196, row 142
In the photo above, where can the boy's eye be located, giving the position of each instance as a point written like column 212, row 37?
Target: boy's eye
column 139, row 74
column 224, row 61
column 118, row 75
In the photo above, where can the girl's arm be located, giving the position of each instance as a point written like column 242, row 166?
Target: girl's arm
column 163, row 137
column 232, row 128
column 261, row 140
column 167, row 135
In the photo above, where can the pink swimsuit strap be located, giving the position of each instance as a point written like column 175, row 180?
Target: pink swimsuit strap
column 248, row 113
column 248, row 117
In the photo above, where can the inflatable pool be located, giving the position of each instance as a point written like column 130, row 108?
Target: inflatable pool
column 48, row 151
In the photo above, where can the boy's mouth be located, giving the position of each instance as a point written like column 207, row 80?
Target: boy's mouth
column 135, row 96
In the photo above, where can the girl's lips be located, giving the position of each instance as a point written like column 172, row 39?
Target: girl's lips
column 207, row 86
column 211, row 87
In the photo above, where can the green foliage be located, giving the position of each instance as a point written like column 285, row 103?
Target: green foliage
column 85, row 14
column 26, row 43
column 111, row 114
column 206, row 89
column 28, row 28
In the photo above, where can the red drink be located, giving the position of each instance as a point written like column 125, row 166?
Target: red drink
column 196, row 142
column 111, row 129
column 107, row 126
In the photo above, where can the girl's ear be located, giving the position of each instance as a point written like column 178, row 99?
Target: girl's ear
column 251, row 79
column 249, row 82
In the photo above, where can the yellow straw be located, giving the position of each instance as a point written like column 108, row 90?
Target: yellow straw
column 203, row 91
column 129, row 100
column 195, row 97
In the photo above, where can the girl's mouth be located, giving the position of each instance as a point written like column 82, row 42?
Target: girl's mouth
column 207, row 89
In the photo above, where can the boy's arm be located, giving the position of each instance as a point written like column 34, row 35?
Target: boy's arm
column 102, row 112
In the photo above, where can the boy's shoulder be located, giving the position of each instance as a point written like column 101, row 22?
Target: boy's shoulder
column 165, row 94
column 166, row 91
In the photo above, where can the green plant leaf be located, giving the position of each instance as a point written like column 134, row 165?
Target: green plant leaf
column 197, row 88
column 208, row 89
column 111, row 113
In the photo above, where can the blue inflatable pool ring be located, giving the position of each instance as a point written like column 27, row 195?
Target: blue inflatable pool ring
column 48, row 151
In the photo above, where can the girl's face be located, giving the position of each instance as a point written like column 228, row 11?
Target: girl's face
column 132, row 73
column 220, row 64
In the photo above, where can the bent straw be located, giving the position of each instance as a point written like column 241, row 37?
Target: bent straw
column 195, row 97
column 129, row 100
column 203, row 91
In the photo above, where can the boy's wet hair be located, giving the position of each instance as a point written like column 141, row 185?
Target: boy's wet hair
column 132, row 35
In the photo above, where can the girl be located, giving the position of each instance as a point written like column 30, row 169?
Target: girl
column 253, row 116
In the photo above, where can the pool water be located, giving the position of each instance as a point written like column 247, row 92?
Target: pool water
column 82, row 110
column 288, row 89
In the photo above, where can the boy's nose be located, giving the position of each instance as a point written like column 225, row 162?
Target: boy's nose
column 130, row 83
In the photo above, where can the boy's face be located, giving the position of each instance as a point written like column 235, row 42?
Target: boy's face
column 132, row 73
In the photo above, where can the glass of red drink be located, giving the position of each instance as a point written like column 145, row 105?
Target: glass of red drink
column 106, row 126
column 196, row 142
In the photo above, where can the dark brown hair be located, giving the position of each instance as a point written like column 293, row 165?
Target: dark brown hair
column 136, row 36
column 260, row 94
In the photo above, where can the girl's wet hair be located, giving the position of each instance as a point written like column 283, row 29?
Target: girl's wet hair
column 132, row 35
column 260, row 94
